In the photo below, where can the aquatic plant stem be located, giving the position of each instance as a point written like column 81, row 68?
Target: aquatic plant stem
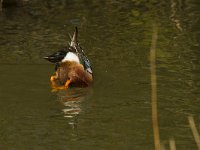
column 154, row 88
column 172, row 144
column 194, row 131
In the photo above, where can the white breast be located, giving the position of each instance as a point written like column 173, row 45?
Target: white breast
column 71, row 57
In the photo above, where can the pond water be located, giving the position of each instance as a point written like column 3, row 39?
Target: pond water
column 115, row 113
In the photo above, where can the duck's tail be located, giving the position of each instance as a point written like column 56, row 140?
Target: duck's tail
column 74, row 42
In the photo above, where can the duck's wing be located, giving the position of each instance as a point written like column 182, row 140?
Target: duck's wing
column 56, row 57
column 85, row 61
column 75, row 46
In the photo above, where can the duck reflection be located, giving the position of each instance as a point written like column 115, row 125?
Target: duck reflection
column 71, row 99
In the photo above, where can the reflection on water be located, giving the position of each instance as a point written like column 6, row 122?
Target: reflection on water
column 71, row 100
column 173, row 16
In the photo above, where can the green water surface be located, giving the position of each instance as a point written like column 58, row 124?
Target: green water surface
column 115, row 113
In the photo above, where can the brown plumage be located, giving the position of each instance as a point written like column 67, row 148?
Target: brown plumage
column 73, row 71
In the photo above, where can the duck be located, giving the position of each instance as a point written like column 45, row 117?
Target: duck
column 72, row 67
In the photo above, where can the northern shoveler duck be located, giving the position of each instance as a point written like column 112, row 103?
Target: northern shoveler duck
column 72, row 67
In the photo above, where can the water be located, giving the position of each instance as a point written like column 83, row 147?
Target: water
column 115, row 113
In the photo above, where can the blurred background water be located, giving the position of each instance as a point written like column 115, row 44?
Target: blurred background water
column 115, row 113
